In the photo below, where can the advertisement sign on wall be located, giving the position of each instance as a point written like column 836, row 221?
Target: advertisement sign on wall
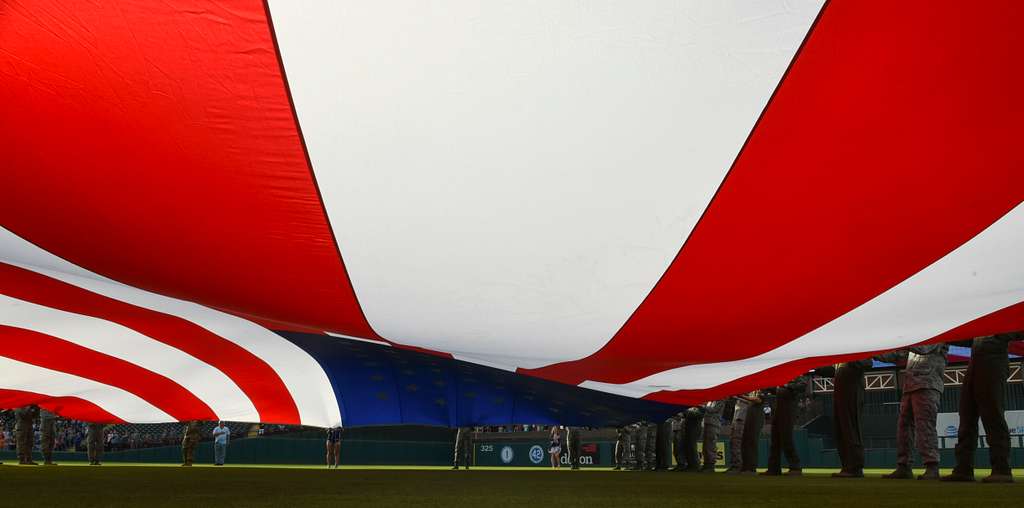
column 528, row 454
column 947, row 425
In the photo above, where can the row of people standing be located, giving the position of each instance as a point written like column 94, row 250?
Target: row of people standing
column 94, row 438
column 25, row 418
column 982, row 396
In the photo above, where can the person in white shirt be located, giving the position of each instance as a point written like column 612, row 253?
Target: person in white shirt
column 220, row 443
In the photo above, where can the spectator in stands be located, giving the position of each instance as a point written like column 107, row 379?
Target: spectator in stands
column 334, row 446
column 220, row 443
column 555, row 446
column 983, row 395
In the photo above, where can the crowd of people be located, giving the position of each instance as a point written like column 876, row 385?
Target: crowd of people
column 652, row 446
column 647, row 446
column 31, row 428
column 638, row 446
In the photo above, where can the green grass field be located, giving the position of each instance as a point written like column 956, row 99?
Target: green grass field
column 75, row 485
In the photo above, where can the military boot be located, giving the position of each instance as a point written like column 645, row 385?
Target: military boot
column 958, row 476
column 902, row 472
column 931, row 472
column 998, row 477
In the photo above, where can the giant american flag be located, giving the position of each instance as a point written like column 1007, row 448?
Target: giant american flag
column 208, row 207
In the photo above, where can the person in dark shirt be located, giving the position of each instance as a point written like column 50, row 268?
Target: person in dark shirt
column 847, row 404
column 333, row 446
column 983, row 395
column 786, row 397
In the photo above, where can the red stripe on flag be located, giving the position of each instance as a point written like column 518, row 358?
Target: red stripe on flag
column 1009, row 319
column 893, row 139
column 260, row 383
column 68, row 407
column 50, row 352
column 157, row 146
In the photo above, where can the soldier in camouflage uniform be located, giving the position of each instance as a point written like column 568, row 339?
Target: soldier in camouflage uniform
column 24, row 435
column 640, row 451
column 189, row 440
column 677, row 440
column 632, row 437
column 621, row 443
column 712, row 426
column 47, row 436
column 94, row 443
column 739, row 417
column 919, row 407
column 983, row 395
column 652, row 447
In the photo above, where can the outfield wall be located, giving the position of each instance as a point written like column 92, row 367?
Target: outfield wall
column 521, row 452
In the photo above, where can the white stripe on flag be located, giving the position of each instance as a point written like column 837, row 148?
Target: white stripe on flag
column 15, row 375
column 978, row 278
column 207, row 383
column 511, row 179
column 302, row 375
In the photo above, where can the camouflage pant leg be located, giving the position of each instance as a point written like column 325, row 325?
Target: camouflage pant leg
column 641, row 450
column 22, row 441
column 188, row 451
column 652, row 447
column 736, row 443
column 94, row 446
column 620, row 448
column 677, row 447
column 926, row 407
column 46, row 439
column 710, row 443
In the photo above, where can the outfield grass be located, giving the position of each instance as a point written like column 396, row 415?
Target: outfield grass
column 309, row 486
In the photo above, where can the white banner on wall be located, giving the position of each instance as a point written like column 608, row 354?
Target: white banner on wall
column 947, row 425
